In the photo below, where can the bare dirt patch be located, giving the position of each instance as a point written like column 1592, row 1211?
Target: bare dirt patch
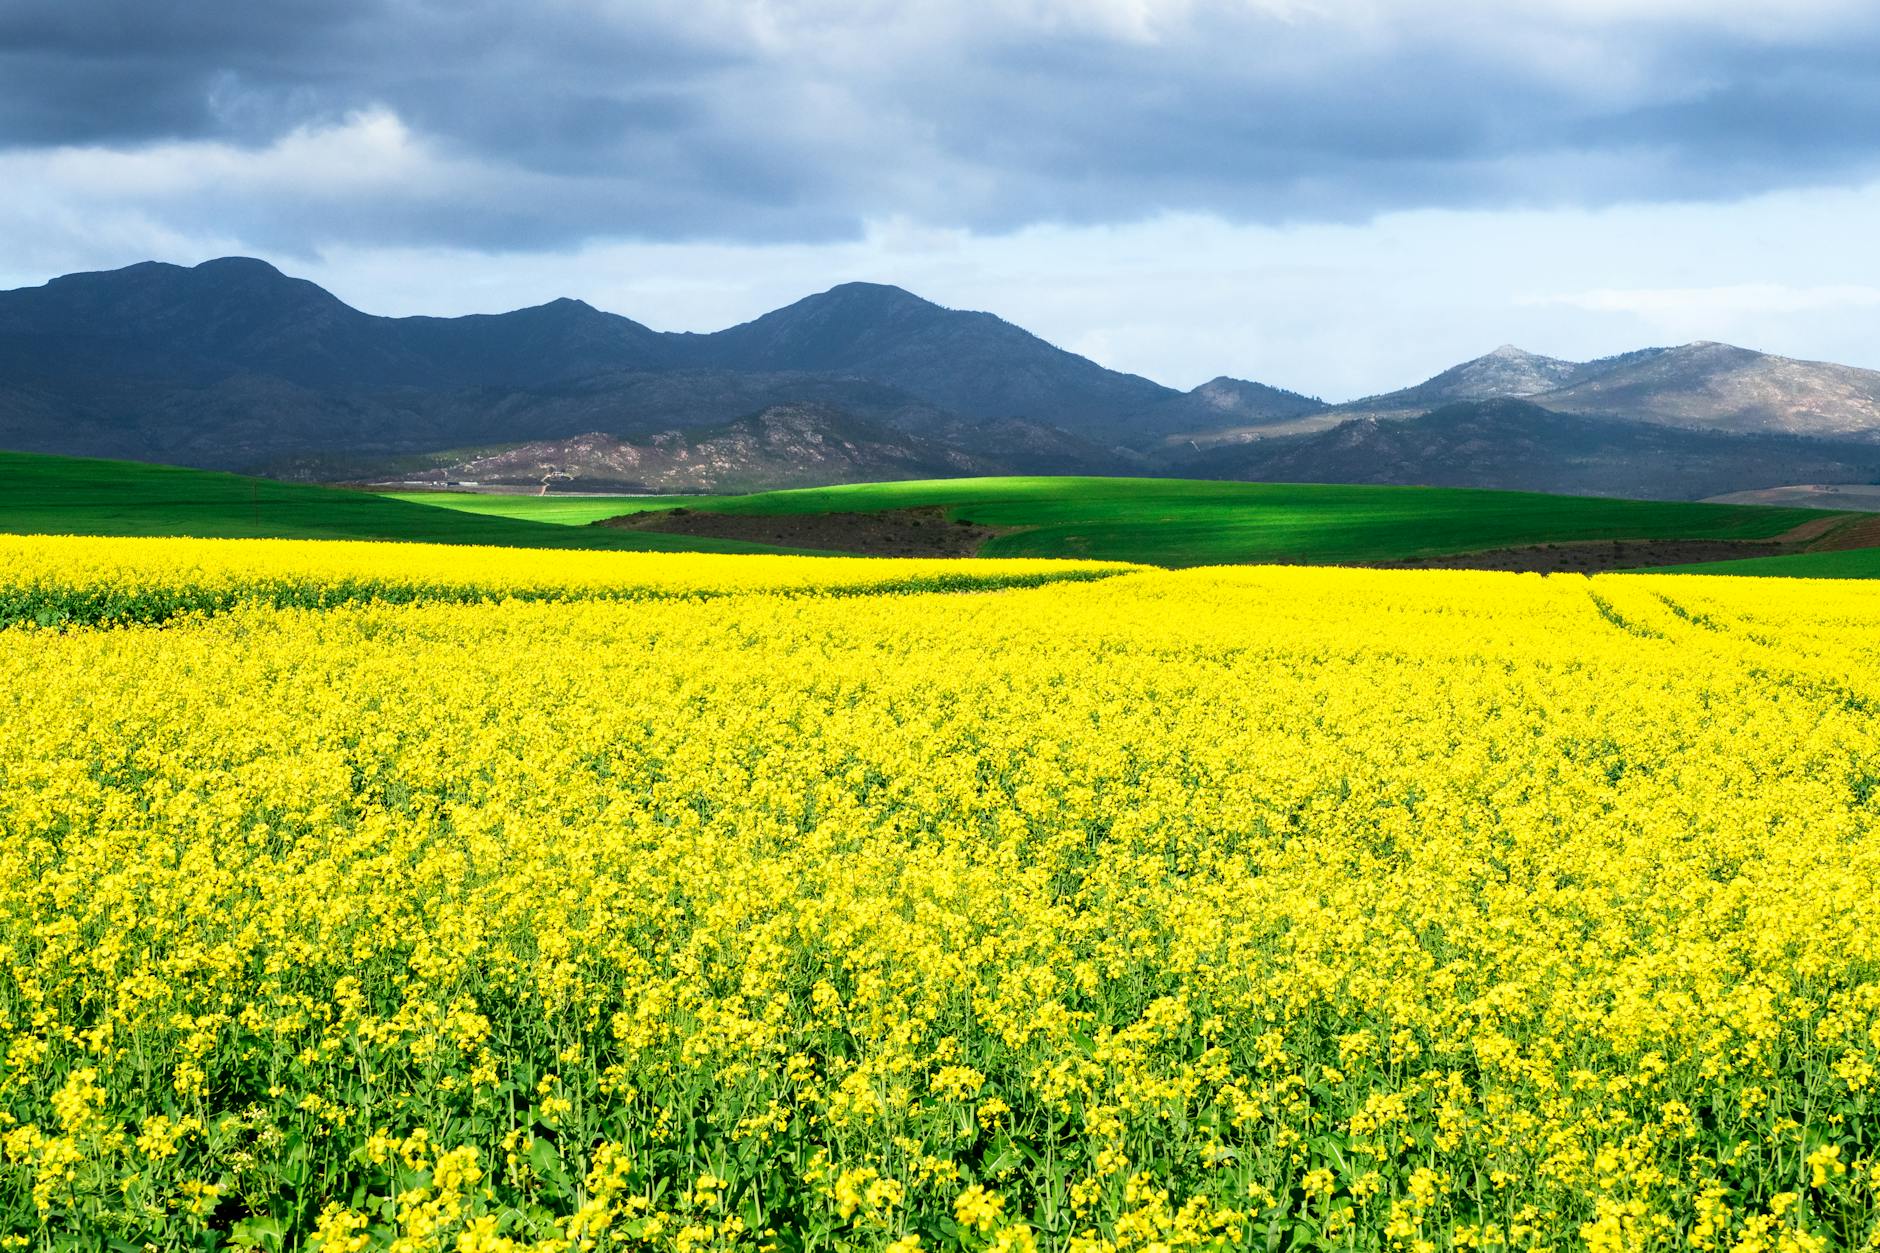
column 1860, row 533
column 890, row 533
column 1832, row 534
column 1596, row 556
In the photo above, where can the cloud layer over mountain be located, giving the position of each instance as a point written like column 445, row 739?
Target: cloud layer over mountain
column 1329, row 194
column 505, row 126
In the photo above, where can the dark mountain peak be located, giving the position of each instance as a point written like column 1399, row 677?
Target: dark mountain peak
column 230, row 315
column 845, row 315
column 137, row 274
column 1224, row 402
column 562, row 313
column 232, row 283
column 834, row 329
column 253, row 267
column 238, row 317
column 1225, row 391
column 158, row 281
column 854, row 308
column 974, row 364
column 879, row 294
column 1227, row 385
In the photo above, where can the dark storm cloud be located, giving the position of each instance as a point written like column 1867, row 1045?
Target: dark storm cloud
column 1801, row 114
column 546, row 124
column 101, row 71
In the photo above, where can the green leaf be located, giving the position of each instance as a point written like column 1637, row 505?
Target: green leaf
column 258, row 1233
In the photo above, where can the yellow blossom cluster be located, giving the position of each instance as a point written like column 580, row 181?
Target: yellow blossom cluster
column 1269, row 908
column 90, row 581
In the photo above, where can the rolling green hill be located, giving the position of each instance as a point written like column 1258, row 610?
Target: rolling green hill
column 1852, row 563
column 1168, row 522
column 560, row 510
column 45, row 495
column 1176, row 522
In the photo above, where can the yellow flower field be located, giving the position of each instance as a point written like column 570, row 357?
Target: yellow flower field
column 1263, row 908
column 89, row 580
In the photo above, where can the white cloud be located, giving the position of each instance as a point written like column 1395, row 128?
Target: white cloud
column 369, row 152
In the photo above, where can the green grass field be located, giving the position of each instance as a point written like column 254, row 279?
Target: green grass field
column 1176, row 522
column 1170, row 522
column 43, row 495
column 1853, row 563
column 559, row 510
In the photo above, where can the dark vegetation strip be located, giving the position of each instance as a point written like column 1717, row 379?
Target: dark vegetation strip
column 1691, row 615
column 53, row 606
column 1619, row 620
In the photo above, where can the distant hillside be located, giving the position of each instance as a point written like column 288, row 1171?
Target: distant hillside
column 42, row 495
column 1506, row 372
column 233, row 364
column 1222, row 403
column 1718, row 387
column 1699, row 387
column 782, row 446
column 1702, row 386
column 785, row 445
column 973, row 364
column 1518, row 445
column 1862, row 497
column 237, row 316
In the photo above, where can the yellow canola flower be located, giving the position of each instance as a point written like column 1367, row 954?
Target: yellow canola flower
column 1158, row 911
column 87, row 580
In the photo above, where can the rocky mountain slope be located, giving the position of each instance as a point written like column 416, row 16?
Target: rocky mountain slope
column 1506, row 372
column 783, row 446
column 1700, row 386
column 1719, row 387
column 1519, row 445
column 786, row 445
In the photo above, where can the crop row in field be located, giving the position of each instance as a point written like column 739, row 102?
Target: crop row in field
column 1265, row 907
column 84, row 581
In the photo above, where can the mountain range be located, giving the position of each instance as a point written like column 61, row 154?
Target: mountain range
column 233, row 365
column 1520, row 446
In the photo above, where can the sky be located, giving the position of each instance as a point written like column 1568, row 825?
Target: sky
column 1335, row 196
